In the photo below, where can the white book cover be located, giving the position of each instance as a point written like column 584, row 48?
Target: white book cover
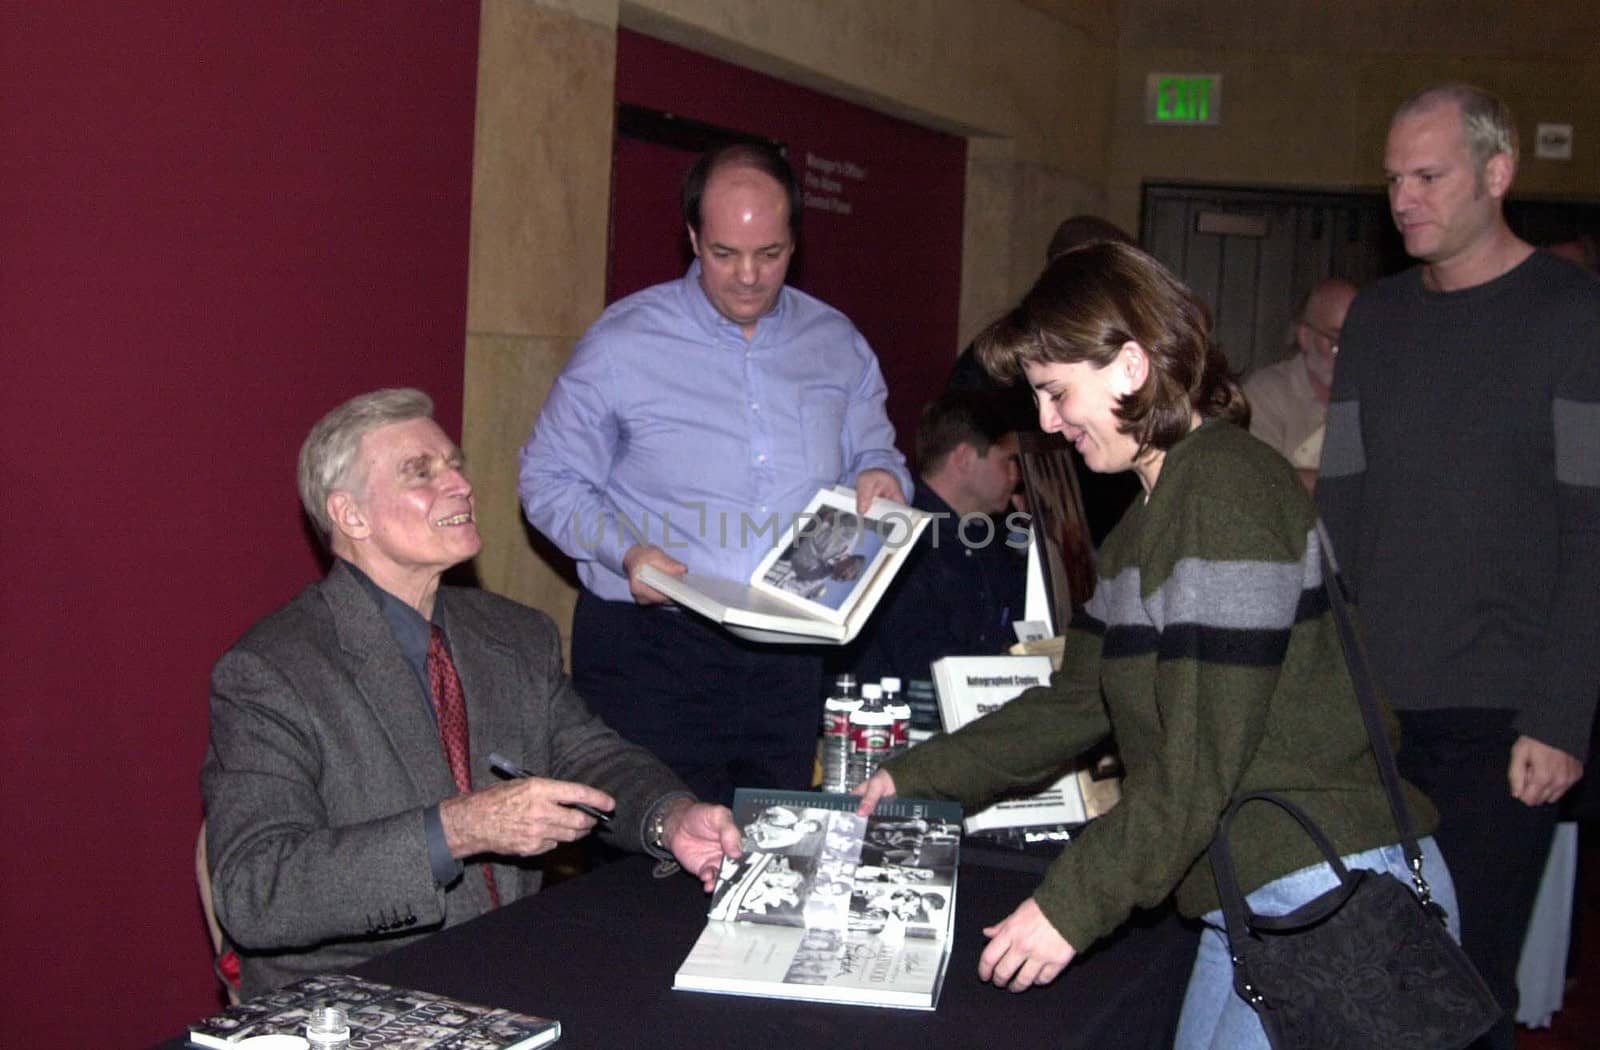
column 821, row 580
column 969, row 687
column 1036, row 597
column 827, row 906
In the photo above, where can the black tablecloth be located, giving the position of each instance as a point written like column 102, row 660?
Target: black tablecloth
column 599, row 951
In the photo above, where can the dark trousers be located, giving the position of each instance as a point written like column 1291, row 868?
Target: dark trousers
column 1496, row 846
column 721, row 712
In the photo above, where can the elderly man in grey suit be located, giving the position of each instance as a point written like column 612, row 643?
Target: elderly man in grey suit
column 343, row 793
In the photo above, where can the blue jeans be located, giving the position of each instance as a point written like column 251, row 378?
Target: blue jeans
column 1214, row 1017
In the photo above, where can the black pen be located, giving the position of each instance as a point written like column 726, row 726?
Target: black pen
column 505, row 767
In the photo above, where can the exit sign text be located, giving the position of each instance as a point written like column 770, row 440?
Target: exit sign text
column 1183, row 98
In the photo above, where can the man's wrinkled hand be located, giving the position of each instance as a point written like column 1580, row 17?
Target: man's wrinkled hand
column 1540, row 774
column 522, row 818
column 640, row 555
column 699, row 836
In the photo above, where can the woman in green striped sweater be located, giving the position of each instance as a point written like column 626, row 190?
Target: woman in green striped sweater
column 1207, row 650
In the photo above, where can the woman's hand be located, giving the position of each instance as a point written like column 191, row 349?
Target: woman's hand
column 1024, row 950
column 879, row 785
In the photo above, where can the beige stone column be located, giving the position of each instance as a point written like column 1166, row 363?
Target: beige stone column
column 1012, row 208
column 985, row 250
column 540, row 206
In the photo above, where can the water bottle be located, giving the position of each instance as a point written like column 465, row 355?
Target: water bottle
column 900, row 709
column 327, row 1028
column 836, row 733
column 871, row 735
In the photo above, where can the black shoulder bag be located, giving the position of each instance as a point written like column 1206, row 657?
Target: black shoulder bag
column 1368, row 963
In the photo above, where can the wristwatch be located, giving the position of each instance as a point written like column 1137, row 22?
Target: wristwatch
column 655, row 836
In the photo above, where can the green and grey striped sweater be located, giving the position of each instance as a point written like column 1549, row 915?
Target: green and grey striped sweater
column 1209, row 652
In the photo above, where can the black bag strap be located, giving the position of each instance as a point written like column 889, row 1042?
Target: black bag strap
column 1355, row 657
column 1235, row 911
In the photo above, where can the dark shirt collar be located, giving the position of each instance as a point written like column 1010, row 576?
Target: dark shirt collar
column 410, row 630
column 952, row 522
column 924, row 498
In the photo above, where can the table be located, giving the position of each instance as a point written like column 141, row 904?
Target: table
column 599, row 951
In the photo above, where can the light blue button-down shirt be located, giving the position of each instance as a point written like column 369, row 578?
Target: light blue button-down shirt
column 668, row 427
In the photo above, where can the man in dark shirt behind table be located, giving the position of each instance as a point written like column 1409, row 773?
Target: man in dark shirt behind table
column 959, row 592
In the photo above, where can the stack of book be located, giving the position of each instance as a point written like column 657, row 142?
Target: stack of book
column 379, row 1015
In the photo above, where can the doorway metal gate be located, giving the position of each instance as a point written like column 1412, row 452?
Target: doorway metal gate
column 1252, row 255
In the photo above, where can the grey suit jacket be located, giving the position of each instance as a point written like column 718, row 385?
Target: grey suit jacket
column 323, row 758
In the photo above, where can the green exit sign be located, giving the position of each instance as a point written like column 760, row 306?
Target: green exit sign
column 1183, row 98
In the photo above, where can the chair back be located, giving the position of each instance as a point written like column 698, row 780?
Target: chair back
column 224, row 960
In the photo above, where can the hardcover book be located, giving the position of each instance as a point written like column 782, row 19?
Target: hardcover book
column 380, row 1016
column 828, row 906
column 820, row 581
column 969, row 687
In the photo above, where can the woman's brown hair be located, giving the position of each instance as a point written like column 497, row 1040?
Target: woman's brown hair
column 1092, row 300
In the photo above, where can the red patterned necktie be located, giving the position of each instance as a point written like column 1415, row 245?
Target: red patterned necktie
column 450, row 705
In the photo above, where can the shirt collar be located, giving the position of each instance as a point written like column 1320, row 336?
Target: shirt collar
column 924, row 498
column 410, row 630
column 709, row 318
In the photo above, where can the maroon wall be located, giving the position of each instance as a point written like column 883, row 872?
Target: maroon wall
column 216, row 221
column 893, row 264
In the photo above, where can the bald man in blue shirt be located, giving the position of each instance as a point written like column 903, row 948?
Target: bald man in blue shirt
column 694, row 420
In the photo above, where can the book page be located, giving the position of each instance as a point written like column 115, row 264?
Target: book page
column 828, row 556
column 809, row 864
column 825, row 904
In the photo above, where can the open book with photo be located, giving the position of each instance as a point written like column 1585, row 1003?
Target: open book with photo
column 828, row 906
column 968, row 688
column 379, row 1015
column 820, row 581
